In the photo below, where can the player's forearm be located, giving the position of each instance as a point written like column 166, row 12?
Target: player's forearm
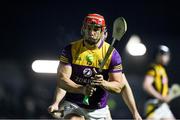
column 129, row 99
column 59, row 95
column 113, row 86
column 70, row 86
column 152, row 91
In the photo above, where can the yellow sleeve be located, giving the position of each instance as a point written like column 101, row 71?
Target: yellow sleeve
column 150, row 72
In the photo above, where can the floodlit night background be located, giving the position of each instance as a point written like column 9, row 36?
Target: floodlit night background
column 32, row 30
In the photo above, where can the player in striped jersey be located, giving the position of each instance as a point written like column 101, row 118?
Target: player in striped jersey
column 156, row 85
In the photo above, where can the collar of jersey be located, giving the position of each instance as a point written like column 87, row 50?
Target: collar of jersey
column 100, row 45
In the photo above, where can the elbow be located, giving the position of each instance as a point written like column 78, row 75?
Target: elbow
column 148, row 83
column 60, row 82
column 118, row 89
column 114, row 89
column 60, row 85
column 145, row 86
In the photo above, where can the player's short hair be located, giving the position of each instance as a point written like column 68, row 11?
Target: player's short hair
column 161, row 50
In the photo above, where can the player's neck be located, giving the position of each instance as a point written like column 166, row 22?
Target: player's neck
column 91, row 47
column 158, row 62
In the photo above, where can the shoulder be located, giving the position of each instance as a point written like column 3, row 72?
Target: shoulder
column 106, row 44
column 76, row 42
column 151, row 70
column 72, row 44
column 151, row 66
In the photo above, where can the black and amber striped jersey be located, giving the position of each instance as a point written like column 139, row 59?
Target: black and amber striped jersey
column 160, row 82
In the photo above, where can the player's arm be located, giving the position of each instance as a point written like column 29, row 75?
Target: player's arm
column 115, row 81
column 114, row 84
column 148, row 87
column 64, row 81
column 59, row 95
column 128, row 98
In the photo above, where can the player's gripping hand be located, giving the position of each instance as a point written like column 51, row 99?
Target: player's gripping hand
column 98, row 79
column 54, row 111
column 88, row 90
column 165, row 99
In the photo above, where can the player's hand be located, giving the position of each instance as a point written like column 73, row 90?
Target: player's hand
column 88, row 90
column 98, row 79
column 53, row 110
column 165, row 99
column 136, row 116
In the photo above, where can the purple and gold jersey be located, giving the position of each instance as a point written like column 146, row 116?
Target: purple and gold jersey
column 82, row 61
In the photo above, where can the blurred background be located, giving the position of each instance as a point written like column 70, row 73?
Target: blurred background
column 38, row 30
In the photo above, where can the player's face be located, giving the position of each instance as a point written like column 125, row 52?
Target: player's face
column 92, row 34
column 165, row 59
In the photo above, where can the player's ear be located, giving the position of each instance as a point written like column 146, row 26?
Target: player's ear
column 105, row 33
